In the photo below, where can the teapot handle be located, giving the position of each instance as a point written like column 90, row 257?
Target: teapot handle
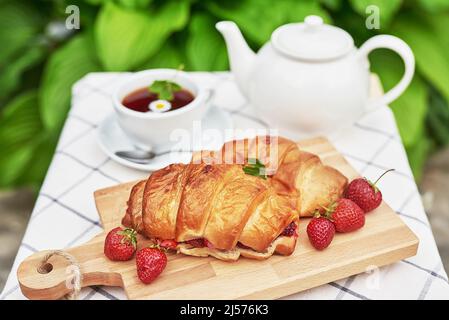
column 404, row 51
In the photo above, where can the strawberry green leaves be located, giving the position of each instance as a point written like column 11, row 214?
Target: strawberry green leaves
column 129, row 236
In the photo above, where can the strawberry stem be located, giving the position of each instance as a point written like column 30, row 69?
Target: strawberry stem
column 329, row 210
column 157, row 245
column 382, row 176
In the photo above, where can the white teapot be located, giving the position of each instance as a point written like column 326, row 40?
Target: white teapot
column 310, row 79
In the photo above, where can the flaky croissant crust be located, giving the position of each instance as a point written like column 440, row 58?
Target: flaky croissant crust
column 233, row 213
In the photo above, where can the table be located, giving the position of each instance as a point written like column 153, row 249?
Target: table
column 64, row 214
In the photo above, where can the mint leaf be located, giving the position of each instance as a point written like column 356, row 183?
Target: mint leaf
column 255, row 168
column 164, row 89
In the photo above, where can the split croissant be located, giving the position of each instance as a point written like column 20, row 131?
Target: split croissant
column 212, row 207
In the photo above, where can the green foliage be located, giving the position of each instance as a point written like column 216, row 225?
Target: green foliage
column 259, row 18
column 37, row 71
column 438, row 118
column 11, row 74
column 67, row 65
column 387, row 8
column 410, row 110
column 205, row 50
column 134, row 4
column 18, row 26
column 434, row 5
column 20, row 128
column 125, row 38
column 331, row 4
column 432, row 58
column 417, row 154
column 167, row 57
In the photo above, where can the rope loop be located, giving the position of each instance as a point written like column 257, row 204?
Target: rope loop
column 72, row 282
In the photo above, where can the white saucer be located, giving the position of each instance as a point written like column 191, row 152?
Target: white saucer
column 111, row 139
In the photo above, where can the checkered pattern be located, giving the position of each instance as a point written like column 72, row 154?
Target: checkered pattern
column 65, row 214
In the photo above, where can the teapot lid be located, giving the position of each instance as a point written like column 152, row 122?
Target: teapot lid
column 312, row 40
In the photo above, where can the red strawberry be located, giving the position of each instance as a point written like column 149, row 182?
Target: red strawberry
column 346, row 215
column 120, row 244
column 321, row 232
column 365, row 193
column 150, row 262
column 168, row 244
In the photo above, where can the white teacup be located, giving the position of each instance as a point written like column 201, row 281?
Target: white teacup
column 151, row 130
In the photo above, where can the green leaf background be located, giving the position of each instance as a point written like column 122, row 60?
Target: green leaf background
column 67, row 65
column 205, row 50
column 37, row 71
column 387, row 8
column 126, row 38
column 20, row 126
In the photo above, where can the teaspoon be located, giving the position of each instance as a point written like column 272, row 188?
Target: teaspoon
column 143, row 156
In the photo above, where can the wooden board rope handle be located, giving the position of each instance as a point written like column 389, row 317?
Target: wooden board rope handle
column 59, row 274
column 74, row 281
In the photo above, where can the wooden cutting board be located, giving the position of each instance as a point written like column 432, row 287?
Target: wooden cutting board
column 384, row 239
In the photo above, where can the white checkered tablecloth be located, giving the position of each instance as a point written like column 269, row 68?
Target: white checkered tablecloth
column 65, row 215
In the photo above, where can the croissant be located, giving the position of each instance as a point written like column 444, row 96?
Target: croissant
column 211, row 207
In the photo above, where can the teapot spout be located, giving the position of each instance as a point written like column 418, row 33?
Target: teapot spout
column 241, row 57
